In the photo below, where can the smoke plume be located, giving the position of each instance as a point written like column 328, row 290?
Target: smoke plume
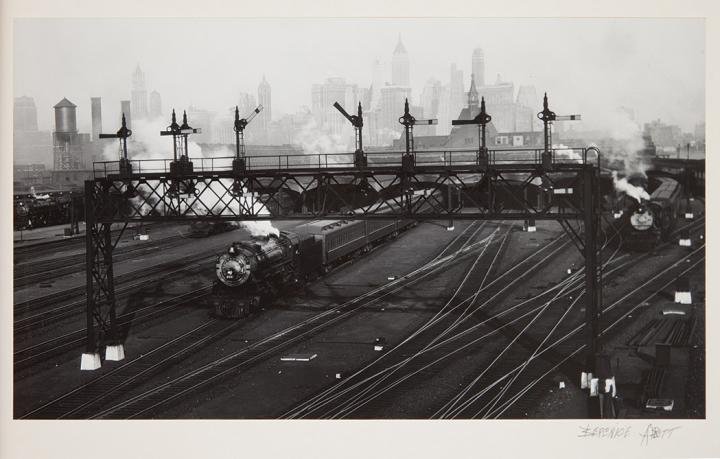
column 629, row 189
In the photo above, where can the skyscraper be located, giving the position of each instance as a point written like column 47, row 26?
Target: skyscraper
column 377, row 84
column 528, row 104
column 457, row 91
column 430, row 102
column 478, row 66
column 125, row 110
column 265, row 99
column 500, row 103
column 138, row 95
column 392, row 106
column 400, row 65
column 25, row 114
column 325, row 95
column 29, row 145
column 155, row 105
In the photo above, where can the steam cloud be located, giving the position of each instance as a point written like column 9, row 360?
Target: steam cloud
column 629, row 189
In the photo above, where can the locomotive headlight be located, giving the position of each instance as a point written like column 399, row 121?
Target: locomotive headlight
column 233, row 270
column 641, row 220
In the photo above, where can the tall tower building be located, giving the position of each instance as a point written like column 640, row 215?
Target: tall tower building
column 400, row 65
column 155, row 105
column 457, row 91
column 478, row 66
column 139, row 95
column 29, row 144
column 324, row 95
column 96, row 113
column 24, row 114
column 377, row 84
column 528, row 104
column 125, row 110
column 392, row 105
column 265, row 99
column 430, row 102
column 246, row 104
column 473, row 99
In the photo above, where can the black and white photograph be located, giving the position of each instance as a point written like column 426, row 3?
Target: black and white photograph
column 459, row 220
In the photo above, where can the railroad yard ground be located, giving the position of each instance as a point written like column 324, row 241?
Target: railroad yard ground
column 270, row 386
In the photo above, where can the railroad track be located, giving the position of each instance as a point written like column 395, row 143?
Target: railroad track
column 363, row 385
column 146, row 402
column 20, row 253
column 85, row 400
column 37, row 271
column 31, row 355
column 352, row 400
column 482, row 405
column 31, row 315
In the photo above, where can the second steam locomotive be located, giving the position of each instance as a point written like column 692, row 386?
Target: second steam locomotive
column 647, row 222
column 253, row 272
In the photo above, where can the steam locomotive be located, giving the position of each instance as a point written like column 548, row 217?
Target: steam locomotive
column 644, row 224
column 253, row 272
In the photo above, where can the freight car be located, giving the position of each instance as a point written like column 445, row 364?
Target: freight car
column 253, row 272
column 647, row 222
column 56, row 208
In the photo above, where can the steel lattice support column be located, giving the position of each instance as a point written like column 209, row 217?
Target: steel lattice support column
column 597, row 366
column 100, row 287
column 592, row 224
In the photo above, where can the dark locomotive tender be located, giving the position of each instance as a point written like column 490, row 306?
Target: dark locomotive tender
column 253, row 272
column 208, row 228
column 644, row 224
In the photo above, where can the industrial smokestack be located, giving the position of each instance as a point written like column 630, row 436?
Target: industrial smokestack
column 96, row 111
column 125, row 109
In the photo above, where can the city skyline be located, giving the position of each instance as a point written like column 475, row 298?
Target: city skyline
column 193, row 73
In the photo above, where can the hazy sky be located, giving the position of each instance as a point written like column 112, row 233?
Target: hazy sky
column 588, row 66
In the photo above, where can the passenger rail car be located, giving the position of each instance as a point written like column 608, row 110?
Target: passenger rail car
column 251, row 273
column 644, row 224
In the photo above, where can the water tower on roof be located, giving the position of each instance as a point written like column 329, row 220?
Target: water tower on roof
column 68, row 145
column 65, row 116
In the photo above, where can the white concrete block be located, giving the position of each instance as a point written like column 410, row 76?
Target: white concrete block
column 683, row 297
column 115, row 353
column 90, row 361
